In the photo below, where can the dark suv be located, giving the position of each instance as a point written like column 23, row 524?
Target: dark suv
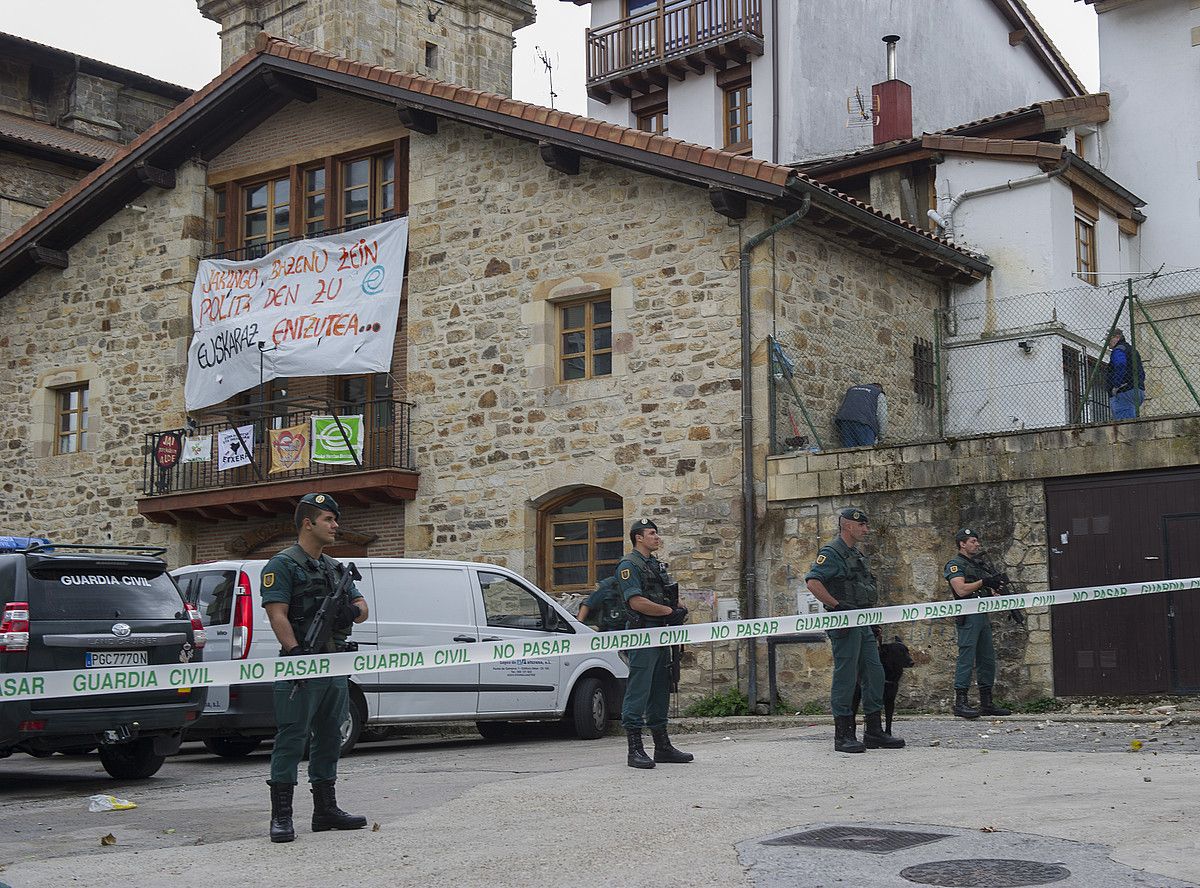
column 92, row 607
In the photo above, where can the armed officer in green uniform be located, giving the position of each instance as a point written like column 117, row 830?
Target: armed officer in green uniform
column 642, row 581
column 841, row 580
column 294, row 583
column 968, row 574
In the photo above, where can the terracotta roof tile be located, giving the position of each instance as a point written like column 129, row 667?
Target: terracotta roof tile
column 662, row 146
column 45, row 135
column 995, row 147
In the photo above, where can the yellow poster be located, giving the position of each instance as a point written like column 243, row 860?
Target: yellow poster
column 289, row 448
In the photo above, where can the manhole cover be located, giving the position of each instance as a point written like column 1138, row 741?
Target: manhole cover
column 985, row 873
column 859, row 838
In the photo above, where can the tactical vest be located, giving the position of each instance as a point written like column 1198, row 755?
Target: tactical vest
column 857, row 589
column 610, row 615
column 970, row 570
column 309, row 589
column 651, row 581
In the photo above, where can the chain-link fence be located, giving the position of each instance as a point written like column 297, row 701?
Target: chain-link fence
column 812, row 368
column 1042, row 360
column 995, row 364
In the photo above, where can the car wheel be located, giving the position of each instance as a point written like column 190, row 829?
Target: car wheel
column 589, row 709
column 131, row 761
column 232, row 747
column 496, row 730
column 353, row 724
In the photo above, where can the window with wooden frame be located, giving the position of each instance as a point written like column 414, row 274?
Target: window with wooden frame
column 370, row 395
column 1087, row 212
column 737, row 107
column 266, row 211
column 324, row 194
column 585, row 338
column 584, row 540
column 651, row 112
column 71, row 419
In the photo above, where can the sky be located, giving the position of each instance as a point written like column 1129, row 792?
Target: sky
column 123, row 32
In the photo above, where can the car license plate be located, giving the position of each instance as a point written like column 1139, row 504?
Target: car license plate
column 116, row 658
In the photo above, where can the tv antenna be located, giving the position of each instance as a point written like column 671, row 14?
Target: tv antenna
column 861, row 110
column 545, row 57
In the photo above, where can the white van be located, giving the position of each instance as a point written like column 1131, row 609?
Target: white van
column 414, row 603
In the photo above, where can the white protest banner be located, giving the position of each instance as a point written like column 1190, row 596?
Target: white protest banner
column 317, row 307
column 234, row 446
column 330, row 436
column 197, row 449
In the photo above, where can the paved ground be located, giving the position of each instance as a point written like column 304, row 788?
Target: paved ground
column 554, row 811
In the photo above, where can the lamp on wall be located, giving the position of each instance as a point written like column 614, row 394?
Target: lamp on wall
column 433, row 7
column 1026, row 346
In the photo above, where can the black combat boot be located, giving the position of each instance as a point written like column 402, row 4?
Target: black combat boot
column 637, row 753
column 844, row 739
column 281, row 812
column 326, row 813
column 961, row 709
column 874, row 736
column 665, row 752
column 986, row 706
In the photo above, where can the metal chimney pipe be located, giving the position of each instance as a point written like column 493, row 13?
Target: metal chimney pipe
column 891, row 40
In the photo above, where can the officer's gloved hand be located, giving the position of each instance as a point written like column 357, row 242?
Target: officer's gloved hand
column 677, row 617
column 347, row 613
column 296, row 651
column 1017, row 617
column 992, row 582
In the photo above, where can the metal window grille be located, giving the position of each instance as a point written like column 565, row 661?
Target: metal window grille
column 923, row 371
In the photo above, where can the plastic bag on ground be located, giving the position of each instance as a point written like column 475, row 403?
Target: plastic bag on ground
column 108, row 803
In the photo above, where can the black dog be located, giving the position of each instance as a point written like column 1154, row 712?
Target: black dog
column 895, row 658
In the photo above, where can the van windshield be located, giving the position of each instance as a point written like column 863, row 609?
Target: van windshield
column 96, row 594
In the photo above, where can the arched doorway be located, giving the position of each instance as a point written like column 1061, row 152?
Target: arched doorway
column 581, row 541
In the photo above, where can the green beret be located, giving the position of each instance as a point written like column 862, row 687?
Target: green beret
column 852, row 514
column 965, row 534
column 642, row 524
column 322, row 501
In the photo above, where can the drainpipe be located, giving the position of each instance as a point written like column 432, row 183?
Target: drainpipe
column 945, row 219
column 775, row 29
column 748, row 505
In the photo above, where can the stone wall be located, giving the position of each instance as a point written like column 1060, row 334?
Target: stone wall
column 27, row 186
column 118, row 318
column 468, row 42
column 917, row 496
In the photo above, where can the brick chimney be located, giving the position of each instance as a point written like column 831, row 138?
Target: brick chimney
column 893, row 98
column 468, row 42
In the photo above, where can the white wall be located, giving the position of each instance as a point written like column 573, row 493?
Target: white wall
column 1152, row 141
column 954, row 53
column 997, row 386
column 823, row 57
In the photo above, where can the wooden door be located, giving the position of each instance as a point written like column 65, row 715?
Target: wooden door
column 1110, row 529
column 1181, row 559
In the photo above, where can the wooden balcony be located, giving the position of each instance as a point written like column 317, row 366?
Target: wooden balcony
column 641, row 53
column 200, row 491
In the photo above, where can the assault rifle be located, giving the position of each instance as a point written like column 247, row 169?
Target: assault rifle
column 1007, row 587
column 321, row 629
column 672, row 590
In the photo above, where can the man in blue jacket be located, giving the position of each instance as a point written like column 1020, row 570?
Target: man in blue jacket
column 1125, row 395
column 862, row 418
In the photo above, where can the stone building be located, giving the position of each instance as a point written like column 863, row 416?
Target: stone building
column 61, row 116
column 506, row 436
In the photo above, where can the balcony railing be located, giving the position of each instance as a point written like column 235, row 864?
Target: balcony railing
column 386, row 445
column 684, row 35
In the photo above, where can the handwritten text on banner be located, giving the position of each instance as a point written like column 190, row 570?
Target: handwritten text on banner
column 324, row 306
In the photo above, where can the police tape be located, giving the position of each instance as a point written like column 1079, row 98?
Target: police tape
column 179, row 676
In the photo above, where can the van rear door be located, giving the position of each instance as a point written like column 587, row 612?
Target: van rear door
column 214, row 592
column 419, row 605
